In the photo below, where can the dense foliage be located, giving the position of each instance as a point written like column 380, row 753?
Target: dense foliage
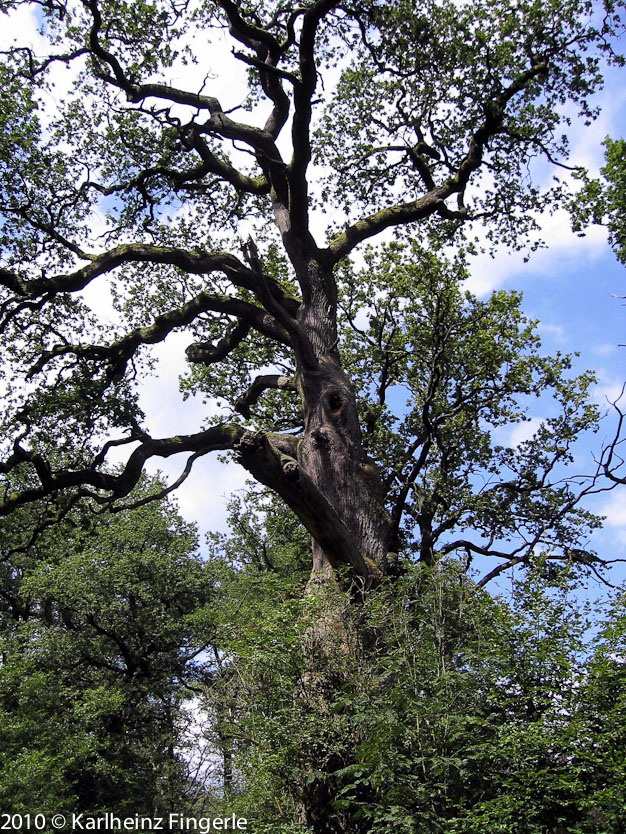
column 101, row 623
column 454, row 710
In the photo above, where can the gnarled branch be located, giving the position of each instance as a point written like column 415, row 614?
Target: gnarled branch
column 206, row 353
column 263, row 383
column 119, row 353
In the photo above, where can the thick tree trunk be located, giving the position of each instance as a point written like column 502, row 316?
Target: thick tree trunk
column 331, row 451
column 335, row 490
column 331, row 454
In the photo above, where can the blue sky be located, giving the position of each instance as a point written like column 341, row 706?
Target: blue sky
column 570, row 288
column 574, row 303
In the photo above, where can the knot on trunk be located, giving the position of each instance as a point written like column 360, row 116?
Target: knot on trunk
column 251, row 442
column 321, row 436
column 335, row 403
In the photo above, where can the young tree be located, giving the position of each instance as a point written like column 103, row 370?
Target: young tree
column 213, row 226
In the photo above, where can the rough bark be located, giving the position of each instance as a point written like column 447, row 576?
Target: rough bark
column 331, row 452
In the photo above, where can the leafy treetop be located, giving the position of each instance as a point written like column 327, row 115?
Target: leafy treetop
column 209, row 222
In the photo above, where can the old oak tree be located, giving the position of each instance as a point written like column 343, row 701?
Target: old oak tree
column 210, row 218
column 297, row 237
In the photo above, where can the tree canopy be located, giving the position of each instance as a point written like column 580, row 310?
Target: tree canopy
column 212, row 220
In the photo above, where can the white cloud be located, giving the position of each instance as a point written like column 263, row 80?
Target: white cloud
column 523, row 431
column 22, row 25
column 605, row 349
column 97, row 295
column 513, row 434
column 615, row 510
column 587, row 147
column 564, row 251
column 167, row 413
column 204, row 495
column 556, row 331
column 610, row 388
